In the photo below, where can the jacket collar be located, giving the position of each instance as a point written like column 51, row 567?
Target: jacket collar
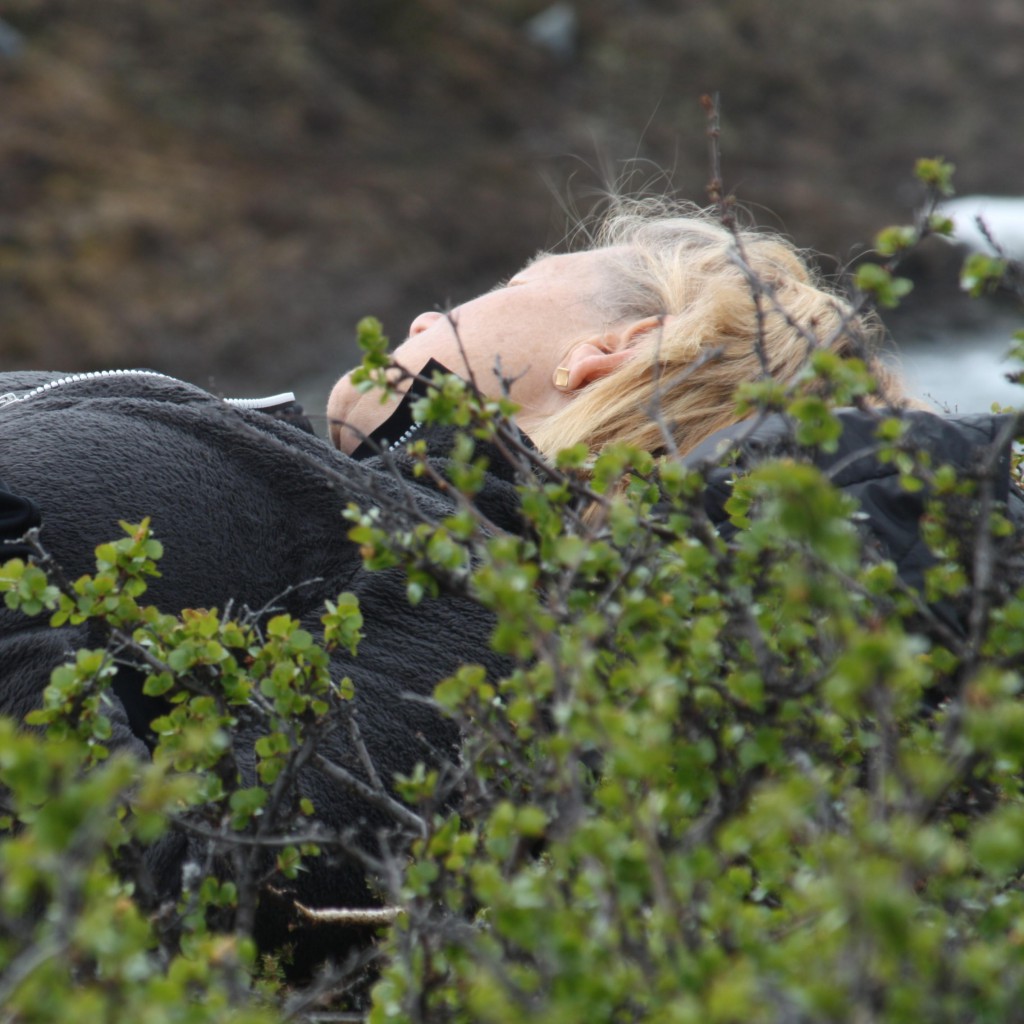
column 400, row 426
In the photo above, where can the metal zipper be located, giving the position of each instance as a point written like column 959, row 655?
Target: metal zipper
column 405, row 437
column 12, row 397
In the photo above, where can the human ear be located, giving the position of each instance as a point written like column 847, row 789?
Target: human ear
column 586, row 363
column 632, row 331
column 594, row 359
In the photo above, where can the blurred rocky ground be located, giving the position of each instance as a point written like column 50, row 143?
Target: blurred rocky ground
column 221, row 189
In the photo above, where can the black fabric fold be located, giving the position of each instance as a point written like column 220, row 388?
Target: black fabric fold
column 889, row 514
column 18, row 515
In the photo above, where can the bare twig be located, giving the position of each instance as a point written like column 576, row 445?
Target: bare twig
column 715, row 188
column 378, row 797
column 362, row 916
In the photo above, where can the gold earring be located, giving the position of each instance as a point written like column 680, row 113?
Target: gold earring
column 561, row 377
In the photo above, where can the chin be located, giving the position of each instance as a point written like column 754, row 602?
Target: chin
column 339, row 402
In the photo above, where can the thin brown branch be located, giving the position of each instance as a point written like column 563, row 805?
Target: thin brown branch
column 379, row 798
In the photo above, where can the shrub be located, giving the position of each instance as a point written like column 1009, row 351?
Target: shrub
column 744, row 772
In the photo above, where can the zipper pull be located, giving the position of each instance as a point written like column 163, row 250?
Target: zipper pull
column 270, row 402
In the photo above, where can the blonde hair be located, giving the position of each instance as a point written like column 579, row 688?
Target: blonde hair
column 735, row 305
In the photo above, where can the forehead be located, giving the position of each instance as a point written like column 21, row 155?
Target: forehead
column 568, row 265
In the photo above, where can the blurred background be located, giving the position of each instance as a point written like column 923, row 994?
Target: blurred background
column 220, row 189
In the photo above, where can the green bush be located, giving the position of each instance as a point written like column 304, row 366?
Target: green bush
column 746, row 780
column 734, row 776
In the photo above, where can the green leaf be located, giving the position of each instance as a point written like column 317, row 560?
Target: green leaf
column 881, row 285
column 981, row 273
column 936, row 173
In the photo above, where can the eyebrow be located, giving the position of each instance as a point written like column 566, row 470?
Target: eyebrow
column 541, row 254
column 536, row 258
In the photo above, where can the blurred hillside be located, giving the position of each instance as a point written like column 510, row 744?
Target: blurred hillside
column 220, row 190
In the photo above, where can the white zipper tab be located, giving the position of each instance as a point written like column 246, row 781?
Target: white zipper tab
column 285, row 398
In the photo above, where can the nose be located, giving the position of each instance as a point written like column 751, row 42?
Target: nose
column 422, row 322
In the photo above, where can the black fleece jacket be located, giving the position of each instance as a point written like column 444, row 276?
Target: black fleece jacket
column 249, row 510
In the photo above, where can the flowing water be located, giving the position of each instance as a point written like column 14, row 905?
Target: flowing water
column 964, row 369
